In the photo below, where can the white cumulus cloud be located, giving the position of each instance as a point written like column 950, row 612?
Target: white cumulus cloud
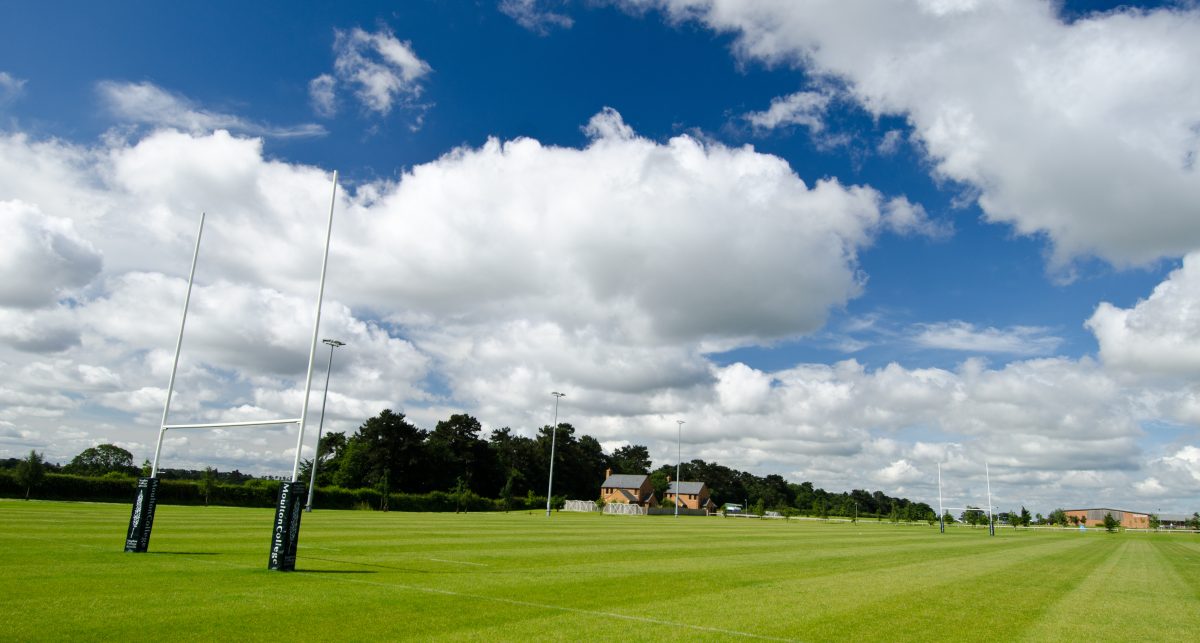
column 382, row 70
column 907, row 218
column 41, row 257
column 1082, row 131
column 899, row 473
column 1159, row 334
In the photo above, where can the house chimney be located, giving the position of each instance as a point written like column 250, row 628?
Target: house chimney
column 607, row 474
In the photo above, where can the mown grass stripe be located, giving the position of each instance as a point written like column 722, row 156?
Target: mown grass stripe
column 1130, row 595
column 1182, row 560
column 367, row 575
column 559, row 608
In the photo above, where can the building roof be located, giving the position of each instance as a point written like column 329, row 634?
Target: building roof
column 625, row 481
column 686, row 487
column 1138, row 513
column 628, row 496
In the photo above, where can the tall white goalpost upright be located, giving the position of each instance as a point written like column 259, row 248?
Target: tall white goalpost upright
column 145, row 500
column 312, row 349
column 187, row 298
column 285, row 533
column 286, row 527
column 678, row 464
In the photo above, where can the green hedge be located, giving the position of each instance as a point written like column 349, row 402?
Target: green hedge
column 341, row 498
column 61, row 486
column 255, row 493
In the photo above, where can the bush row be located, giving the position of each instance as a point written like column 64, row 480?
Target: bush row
column 255, row 493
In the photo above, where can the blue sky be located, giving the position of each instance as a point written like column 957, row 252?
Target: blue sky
column 845, row 243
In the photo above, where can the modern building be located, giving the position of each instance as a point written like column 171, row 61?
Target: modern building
column 628, row 488
column 1095, row 517
column 692, row 495
column 1174, row 521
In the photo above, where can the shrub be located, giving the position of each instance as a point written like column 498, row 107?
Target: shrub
column 8, row 485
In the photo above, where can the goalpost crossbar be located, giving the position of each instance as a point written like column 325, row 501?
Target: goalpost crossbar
column 966, row 508
column 223, row 425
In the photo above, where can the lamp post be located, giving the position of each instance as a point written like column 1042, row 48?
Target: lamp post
column 991, row 521
column 312, row 480
column 553, row 438
column 678, row 465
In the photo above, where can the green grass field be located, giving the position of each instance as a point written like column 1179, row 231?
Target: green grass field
column 371, row 576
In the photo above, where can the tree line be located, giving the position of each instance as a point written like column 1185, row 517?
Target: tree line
column 389, row 454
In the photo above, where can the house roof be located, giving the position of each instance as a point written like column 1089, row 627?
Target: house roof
column 625, row 481
column 686, row 487
column 629, row 497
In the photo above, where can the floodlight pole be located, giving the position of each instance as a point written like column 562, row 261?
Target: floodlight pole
column 941, row 511
column 678, row 465
column 553, row 437
column 988, row 476
column 312, row 480
column 162, row 427
column 312, row 351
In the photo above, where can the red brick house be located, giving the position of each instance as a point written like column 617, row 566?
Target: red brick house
column 628, row 488
column 692, row 495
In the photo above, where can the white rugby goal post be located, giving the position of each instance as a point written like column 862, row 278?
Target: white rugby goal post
column 942, row 509
column 287, row 512
column 580, row 505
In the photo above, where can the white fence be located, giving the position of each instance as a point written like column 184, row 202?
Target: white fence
column 616, row 508
column 623, row 509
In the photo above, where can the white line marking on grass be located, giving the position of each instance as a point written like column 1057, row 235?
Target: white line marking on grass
column 315, row 547
column 457, row 562
column 560, row 608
